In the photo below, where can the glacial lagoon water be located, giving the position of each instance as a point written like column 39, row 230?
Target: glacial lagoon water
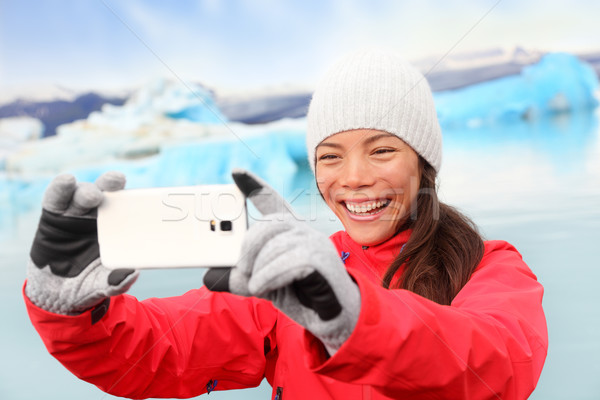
column 535, row 184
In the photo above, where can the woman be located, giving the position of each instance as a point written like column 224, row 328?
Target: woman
column 407, row 301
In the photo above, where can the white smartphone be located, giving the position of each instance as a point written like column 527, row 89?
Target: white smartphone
column 189, row 226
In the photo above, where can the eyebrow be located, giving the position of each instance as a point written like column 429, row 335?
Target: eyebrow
column 377, row 137
column 335, row 145
column 367, row 141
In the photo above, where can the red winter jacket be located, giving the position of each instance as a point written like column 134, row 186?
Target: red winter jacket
column 490, row 343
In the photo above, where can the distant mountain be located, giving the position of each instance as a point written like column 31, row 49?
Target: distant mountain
column 443, row 73
column 467, row 68
column 36, row 93
column 55, row 105
column 53, row 113
column 265, row 107
column 593, row 59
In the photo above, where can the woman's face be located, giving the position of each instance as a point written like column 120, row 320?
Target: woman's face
column 370, row 179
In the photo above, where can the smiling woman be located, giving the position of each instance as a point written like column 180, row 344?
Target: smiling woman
column 370, row 180
column 377, row 185
column 381, row 180
column 406, row 289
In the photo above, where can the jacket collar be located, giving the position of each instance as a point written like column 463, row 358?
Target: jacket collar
column 373, row 260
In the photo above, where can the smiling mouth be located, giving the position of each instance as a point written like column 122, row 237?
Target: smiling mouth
column 366, row 207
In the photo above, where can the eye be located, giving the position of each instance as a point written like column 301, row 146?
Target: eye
column 327, row 157
column 384, row 150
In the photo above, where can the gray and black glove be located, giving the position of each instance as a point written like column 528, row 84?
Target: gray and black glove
column 294, row 266
column 65, row 274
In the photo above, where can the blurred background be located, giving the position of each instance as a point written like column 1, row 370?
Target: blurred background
column 179, row 93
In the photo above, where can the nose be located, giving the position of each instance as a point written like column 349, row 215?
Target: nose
column 356, row 173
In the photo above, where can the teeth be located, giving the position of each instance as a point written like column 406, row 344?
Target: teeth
column 366, row 207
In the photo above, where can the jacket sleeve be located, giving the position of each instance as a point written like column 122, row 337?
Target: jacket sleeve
column 171, row 347
column 491, row 342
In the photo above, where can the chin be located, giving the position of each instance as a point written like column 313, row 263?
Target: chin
column 365, row 239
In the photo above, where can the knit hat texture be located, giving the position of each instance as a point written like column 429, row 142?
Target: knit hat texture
column 375, row 89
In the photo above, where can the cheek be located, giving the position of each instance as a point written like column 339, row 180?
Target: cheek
column 405, row 187
column 411, row 193
column 324, row 185
column 331, row 192
column 411, row 189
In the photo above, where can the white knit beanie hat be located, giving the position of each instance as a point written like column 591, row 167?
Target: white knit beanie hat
column 375, row 89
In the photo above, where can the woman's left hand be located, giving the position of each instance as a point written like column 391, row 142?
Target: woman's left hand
column 294, row 266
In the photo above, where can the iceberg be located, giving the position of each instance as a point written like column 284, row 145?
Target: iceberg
column 558, row 83
column 159, row 100
column 16, row 131
column 159, row 113
column 172, row 133
column 19, row 129
column 198, row 155
column 168, row 133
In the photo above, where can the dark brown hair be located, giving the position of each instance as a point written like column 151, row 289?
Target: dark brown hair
column 443, row 249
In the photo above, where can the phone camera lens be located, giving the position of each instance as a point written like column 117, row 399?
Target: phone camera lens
column 226, row 226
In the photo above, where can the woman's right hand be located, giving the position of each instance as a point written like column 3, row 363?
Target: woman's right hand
column 65, row 274
column 292, row 265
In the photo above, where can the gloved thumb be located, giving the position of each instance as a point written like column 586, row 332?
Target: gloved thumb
column 116, row 277
column 264, row 197
column 316, row 293
column 217, row 279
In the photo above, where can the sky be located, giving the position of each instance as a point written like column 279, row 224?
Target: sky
column 252, row 44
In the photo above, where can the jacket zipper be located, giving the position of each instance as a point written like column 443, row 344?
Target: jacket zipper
column 366, row 389
column 278, row 393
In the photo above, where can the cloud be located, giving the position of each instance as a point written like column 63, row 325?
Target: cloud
column 259, row 42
